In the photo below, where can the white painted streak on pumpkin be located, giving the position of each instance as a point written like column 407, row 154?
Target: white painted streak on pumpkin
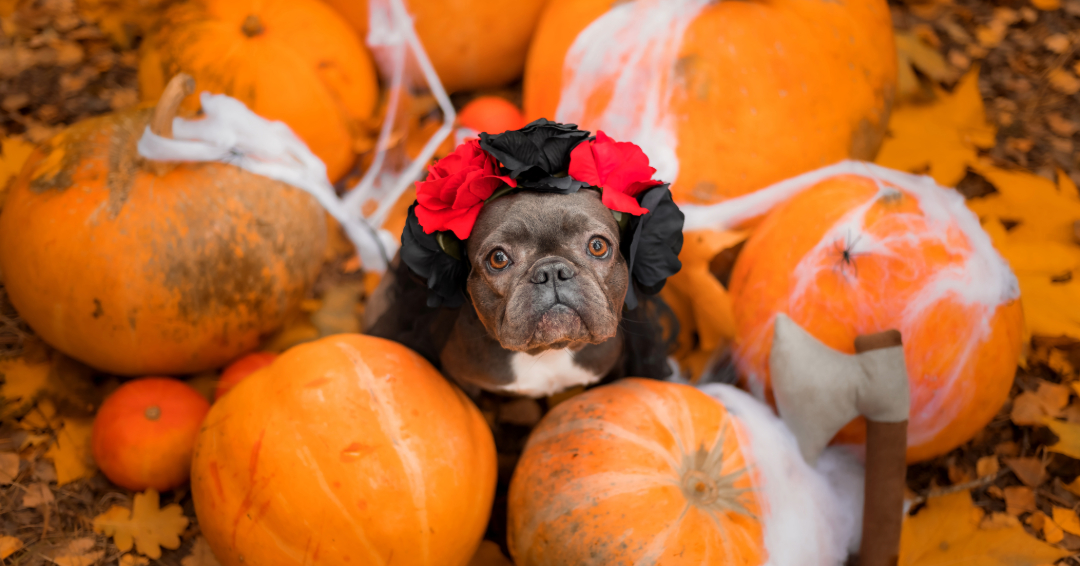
column 390, row 422
column 677, row 424
column 635, row 46
column 659, row 542
column 983, row 281
column 309, row 461
column 610, row 429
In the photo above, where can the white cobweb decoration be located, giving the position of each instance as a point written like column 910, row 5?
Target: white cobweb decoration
column 230, row 132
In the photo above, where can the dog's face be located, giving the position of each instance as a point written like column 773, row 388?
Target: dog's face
column 546, row 270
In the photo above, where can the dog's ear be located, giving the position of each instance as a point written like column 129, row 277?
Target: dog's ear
column 651, row 244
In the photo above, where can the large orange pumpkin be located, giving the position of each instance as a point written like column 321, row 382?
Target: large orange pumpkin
column 144, row 433
column 855, row 255
column 472, row 44
column 138, row 268
column 349, row 449
column 296, row 61
column 724, row 97
column 638, row 472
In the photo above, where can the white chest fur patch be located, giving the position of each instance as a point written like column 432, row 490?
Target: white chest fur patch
column 546, row 373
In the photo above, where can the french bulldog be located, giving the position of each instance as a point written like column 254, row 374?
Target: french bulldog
column 545, row 306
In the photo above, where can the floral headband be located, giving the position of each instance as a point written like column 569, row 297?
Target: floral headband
column 547, row 157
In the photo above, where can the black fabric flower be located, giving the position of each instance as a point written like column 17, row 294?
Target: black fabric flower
column 445, row 274
column 652, row 243
column 538, row 155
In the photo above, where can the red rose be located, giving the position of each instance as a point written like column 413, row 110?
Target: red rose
column 456, row 188
column 620, row 169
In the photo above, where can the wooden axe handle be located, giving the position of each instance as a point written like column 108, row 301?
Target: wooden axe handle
column 886, row 470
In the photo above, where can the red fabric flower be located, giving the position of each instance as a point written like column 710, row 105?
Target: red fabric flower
column 456, row 188
column 621, row 169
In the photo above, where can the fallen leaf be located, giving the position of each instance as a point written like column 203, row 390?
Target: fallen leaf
column 995, row 492
column 134, row 560
column 9, row 467
column 1053, row 397
column 1027, row 410
column 1030, row 471
column 78, row 552
column 1044, row 211
column 1067, row 520
column 71, row 453
column 987, row 466
column 1019, row 500
column 145, row 526
column 13, row 153
column 1068, row 438
column 946, row 532
column 915, row 53
column 9, row 546
column 489, row 554
column 37, row 494
column 22, row 379
column 1046, row 5
column 1061, row 125
column 1064, row 81
column 943, row 136
column 1059, row 362
column 1074, row 487
column 201, row 555
column 1058, row 42
column 995, row 521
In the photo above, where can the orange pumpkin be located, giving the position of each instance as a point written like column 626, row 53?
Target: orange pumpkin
column 237, row 371
column 724, row 97
column 637, row 472
column 856, row 255
column 349, row 449
column 296, row 61
column 139, row 268
column 491, row 114
column 144, row 433
column 472, row 44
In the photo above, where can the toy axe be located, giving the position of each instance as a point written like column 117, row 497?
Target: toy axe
column 819, row 390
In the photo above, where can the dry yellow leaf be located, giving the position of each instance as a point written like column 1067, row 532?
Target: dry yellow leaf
column 1045, row 211
column 146, row 526
column 23, row 380
column 78, row 552
column 9, row 467
column 37, row 494
column 13, row 153
column 201, row 555
column 1067, row 520
column 1074, row 487
column 947, row 531
column 1063, row 81
column 71, row 454
column 1059, row 362
column 987, row 466
column 914, row 53
column 9, row 546
column 1068, row 438
column 940, row 138
column 1027, row 410
column 1019, row 500
column 1031, row 471
column 1049, row 528
column 134, row 560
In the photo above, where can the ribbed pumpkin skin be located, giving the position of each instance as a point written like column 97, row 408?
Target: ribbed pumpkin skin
column 894, row 260
column 347, row 450
column 611, row 476
column 306, row 67
column 472, row 44
column 137, row 273
column 762, row 90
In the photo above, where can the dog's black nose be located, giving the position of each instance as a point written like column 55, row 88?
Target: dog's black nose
column 551, row 270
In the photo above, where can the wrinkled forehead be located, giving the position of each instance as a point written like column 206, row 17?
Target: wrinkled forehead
column 536, row 218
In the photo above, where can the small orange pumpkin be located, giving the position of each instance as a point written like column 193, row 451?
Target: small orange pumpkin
column 637, row 472
column 724, row 97
column 296, row 61
column 144, row 433
column 472, row 44
column 139, row 268
column 492, row 114
column 348, row 449
column 237, row 371
column 856, row 255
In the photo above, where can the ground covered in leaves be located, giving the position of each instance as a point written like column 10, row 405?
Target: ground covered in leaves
column 989, row 101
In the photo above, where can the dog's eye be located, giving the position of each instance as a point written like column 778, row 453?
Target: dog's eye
column 498, row 260
column 598, row 247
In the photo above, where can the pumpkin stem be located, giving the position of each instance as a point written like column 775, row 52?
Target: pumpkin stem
column 178, row 88
column 153, row 413
column 252, row 26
